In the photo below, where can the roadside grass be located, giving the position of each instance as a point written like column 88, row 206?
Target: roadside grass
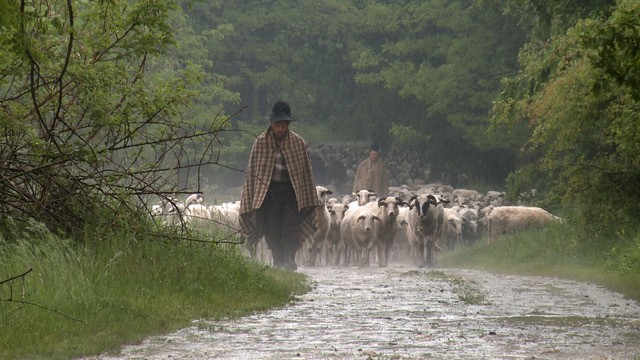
column 88, row 299
column 562, row 251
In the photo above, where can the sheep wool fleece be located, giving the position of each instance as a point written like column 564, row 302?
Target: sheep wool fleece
column 259, row 171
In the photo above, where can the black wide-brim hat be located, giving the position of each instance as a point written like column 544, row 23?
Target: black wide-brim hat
column 281, row 112
column 280, row 117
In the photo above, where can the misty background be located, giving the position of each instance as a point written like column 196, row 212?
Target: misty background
column 485, row 94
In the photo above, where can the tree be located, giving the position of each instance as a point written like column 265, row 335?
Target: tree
column 584, row 115
column 544, row 19
column 91, row 117
column 449, row 57
column 297, row 53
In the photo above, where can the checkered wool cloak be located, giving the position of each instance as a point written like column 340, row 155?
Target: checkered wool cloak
column 256, row 182
column 372, row 176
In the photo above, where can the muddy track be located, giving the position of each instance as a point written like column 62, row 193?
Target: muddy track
column 403, row 313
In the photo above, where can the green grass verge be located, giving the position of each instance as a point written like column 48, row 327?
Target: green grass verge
column 562, row 251
column 92, row 298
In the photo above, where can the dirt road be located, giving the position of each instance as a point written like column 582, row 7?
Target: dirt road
column 404, row 313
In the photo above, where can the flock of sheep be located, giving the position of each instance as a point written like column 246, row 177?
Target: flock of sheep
column 356, row 229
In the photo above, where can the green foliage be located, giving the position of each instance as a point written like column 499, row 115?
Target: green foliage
column 583, row 138
column 545, row 19
column 407, row 136
column 95, row 113
column 88, row 299
column 616, row 53
column 287, row 54
column 449, row 57
column 628, row 252
column 357, row 67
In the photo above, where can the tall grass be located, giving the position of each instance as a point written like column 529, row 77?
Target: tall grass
column 92, row 298
column 562, row 250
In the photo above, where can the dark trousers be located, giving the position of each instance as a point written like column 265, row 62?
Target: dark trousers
column 280, row 216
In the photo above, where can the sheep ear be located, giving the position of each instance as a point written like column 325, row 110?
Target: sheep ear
column 329, row 192
column 399, row 200
column 381, row 202
column 346, row 207
column 376, row 218
column 361, row 217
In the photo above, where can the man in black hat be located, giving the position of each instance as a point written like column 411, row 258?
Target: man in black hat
column 279, row 191
column 372, row 174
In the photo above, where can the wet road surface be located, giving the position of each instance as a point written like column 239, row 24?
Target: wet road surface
column 406, row 313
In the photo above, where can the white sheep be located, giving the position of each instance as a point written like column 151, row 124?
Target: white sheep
column 226, row 217
column 197, row 215
column 358, row 235
column 387, row 211
column 454, row 228
column 465, row 196
column 494, row 198
column 194, row 211
column 483, row 216
column 470, row 225
column 170, row 212
column 427, row 227
column 194, row 199
column 156, row 210
column 336, row 212
column 362, row 197
column 401, row 246
column 315, row 244
column 226, row 214
column 331, row 201
column 508, row 219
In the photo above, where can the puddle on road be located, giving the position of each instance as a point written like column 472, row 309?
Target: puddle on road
column 404, row 313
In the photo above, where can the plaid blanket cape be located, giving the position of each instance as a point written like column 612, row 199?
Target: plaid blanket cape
column 372, row 176
column 256, row 182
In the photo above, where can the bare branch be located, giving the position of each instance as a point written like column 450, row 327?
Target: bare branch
column 16, row 277
column 44, row 308
column 11, row 300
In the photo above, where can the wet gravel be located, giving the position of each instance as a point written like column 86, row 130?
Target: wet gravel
column 405, row 313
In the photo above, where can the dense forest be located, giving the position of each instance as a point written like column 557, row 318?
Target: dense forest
column 105, row 103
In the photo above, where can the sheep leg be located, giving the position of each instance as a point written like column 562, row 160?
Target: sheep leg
column 419, row 253
column 430, row 249
column 312, row 258
column 384, row 249
column 347, row 253
column 382, row 259
column 387, row 252
column 366, row 256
